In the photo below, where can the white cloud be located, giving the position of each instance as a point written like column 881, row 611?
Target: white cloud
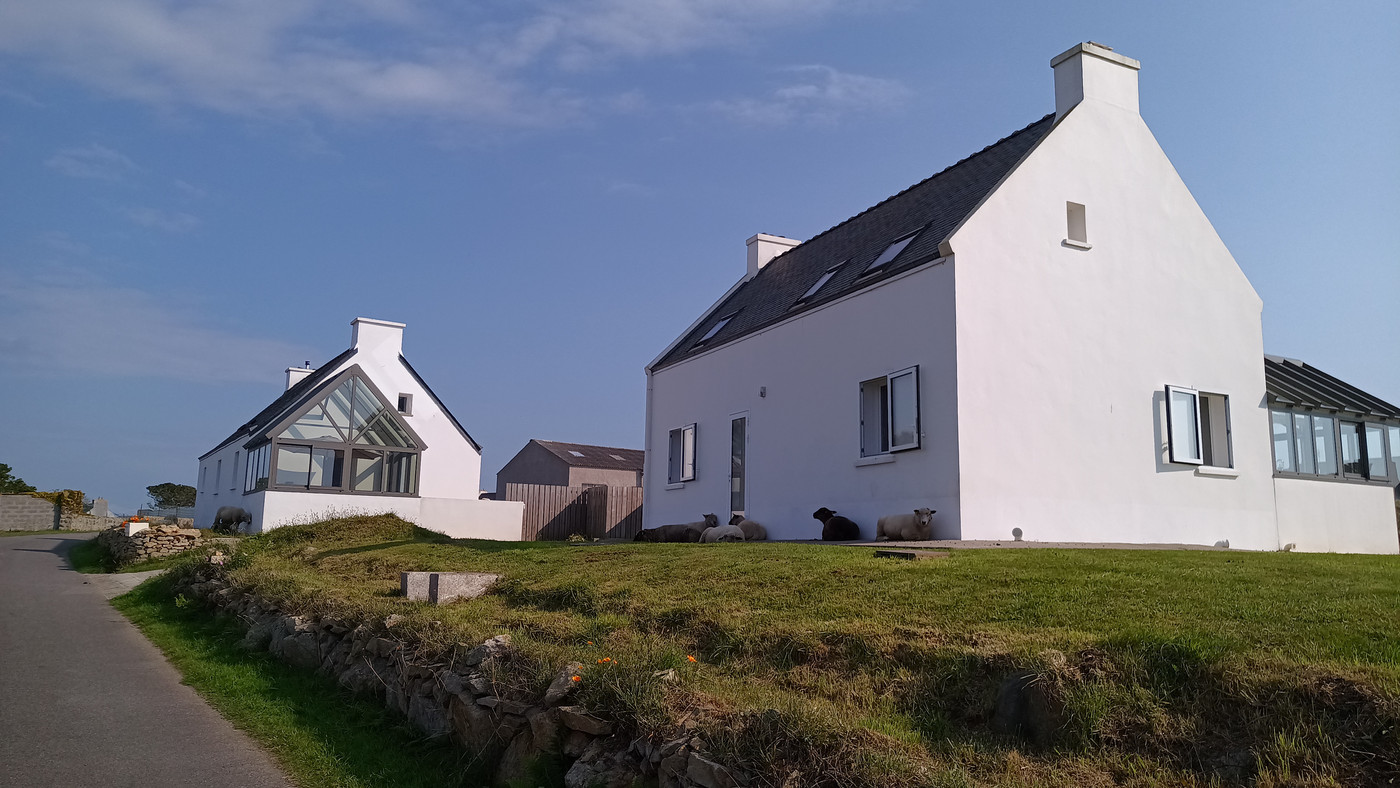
column 190, row 190
column 73, row 325
column 819, row 94
column 169, row 221
column 272, row 57
column 93, row 161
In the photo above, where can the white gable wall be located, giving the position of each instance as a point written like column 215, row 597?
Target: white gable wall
column 804, row 435
column 1063, row 353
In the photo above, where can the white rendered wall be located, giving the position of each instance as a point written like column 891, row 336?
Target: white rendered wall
column 804, row 436
column 1336, row 517
column 1063, row 353
column 209, row 497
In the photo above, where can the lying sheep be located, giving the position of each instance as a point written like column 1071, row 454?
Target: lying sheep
column 836, row 528
column 906, row 527
column 722, row 533
column 753, row 532
column 679, row 532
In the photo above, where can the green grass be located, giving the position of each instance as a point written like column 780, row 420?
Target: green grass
column 876, row 672
column 319, row 735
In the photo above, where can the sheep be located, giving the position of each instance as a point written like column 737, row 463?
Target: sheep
column 722, row 533
column 836, row 528
column 679, row 532
column 753, row 532
column 906, row 527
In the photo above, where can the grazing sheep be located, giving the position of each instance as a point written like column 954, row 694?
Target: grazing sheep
column 229, row 519
column 906, row 527
column 722, row 533
column 836, row 528
column 753, row 532
column 680, row 532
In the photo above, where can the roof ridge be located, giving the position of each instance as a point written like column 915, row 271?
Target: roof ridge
column 591, row 445
column 912, row 187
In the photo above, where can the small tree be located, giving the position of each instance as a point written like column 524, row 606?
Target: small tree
column 171, row 495
column 12, row 484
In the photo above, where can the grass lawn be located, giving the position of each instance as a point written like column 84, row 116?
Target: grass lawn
column 851, row 670
column 320, row 735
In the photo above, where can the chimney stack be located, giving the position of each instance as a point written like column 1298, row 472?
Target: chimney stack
column 1094, row 72
column 376, row 337
column 296, row 375
column 763, row 248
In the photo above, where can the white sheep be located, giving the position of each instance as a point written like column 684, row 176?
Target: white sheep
column 906, row 527
column 722, row 533
column 753, row 532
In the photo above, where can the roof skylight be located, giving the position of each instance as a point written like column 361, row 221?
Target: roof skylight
column 619, row 459
column 826, row 277
column 891, row 252
column 724, row 321
column 576, row 453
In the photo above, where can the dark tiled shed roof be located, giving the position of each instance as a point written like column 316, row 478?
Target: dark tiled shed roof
column 933, row 208
column 1290, row 382
column 604, row 457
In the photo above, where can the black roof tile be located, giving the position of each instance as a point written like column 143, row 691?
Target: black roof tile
column 933, row 208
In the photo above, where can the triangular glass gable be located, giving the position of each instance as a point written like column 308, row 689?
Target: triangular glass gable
column 351, row 413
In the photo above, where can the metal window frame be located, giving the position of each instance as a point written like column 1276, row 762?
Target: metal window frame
column 889, row 409
column 1338, row 418
column 1199, row 459
column 675, row 465
column 814, row 289
column 1201, row 419
column 879, row 264
column 715, row 329
column 733, row 417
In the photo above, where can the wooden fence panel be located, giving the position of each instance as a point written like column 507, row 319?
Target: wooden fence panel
column 554, row 512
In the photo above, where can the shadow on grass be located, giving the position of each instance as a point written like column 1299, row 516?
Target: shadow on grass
column 321, row 735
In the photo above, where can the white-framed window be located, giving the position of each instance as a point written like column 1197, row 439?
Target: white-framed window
column 681, row 467
column 406, row 404
column 889, row 413
column 1198, row 428
column 1076, row 227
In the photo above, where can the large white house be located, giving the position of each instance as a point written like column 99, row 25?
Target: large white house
column 1046, row 340
column 361, row 433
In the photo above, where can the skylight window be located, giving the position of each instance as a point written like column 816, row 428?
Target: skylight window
column 826, row 277
column 891, row 252
column 576, row 453
column 615, row 457
column 724, row 321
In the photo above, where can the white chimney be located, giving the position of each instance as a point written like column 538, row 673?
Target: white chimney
column 1094, row 72
column 376, row 337
column 764, row 247
column 296, row 375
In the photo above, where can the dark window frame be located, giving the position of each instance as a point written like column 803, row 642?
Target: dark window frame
column 1338, row 419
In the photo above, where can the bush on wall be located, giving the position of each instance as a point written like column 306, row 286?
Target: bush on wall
column 69, row 501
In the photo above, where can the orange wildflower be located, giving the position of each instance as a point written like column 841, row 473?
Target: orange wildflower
column 577, row 678
column 690, row 658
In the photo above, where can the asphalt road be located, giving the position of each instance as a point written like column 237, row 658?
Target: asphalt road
column 85, row 700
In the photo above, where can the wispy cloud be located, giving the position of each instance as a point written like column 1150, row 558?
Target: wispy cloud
column 74, row 325
column 190, row 190
column 169, row 221
column 272, row 57
column 93, row 161
column 815, row 94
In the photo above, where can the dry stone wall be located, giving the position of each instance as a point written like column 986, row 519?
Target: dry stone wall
column 455, row 695
column 27, row 513
column 157, row 541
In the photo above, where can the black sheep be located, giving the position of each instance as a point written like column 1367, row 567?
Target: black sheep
column 836, row 528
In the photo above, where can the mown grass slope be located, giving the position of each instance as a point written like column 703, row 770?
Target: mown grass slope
column 832, row 667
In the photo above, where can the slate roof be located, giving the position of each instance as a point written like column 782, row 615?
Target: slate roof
column 933, row 208
column 307, row 388
column 1290, row 382
column 279, row 406
column 604, row 457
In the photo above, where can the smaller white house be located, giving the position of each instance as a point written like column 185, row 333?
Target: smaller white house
column 363, row 433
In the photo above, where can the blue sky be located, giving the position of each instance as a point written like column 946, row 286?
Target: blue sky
column 194, row 197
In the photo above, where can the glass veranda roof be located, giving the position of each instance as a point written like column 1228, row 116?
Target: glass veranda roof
column 350, row 413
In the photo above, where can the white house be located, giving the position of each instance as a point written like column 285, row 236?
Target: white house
column 361, row 433
column 1046, row 340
